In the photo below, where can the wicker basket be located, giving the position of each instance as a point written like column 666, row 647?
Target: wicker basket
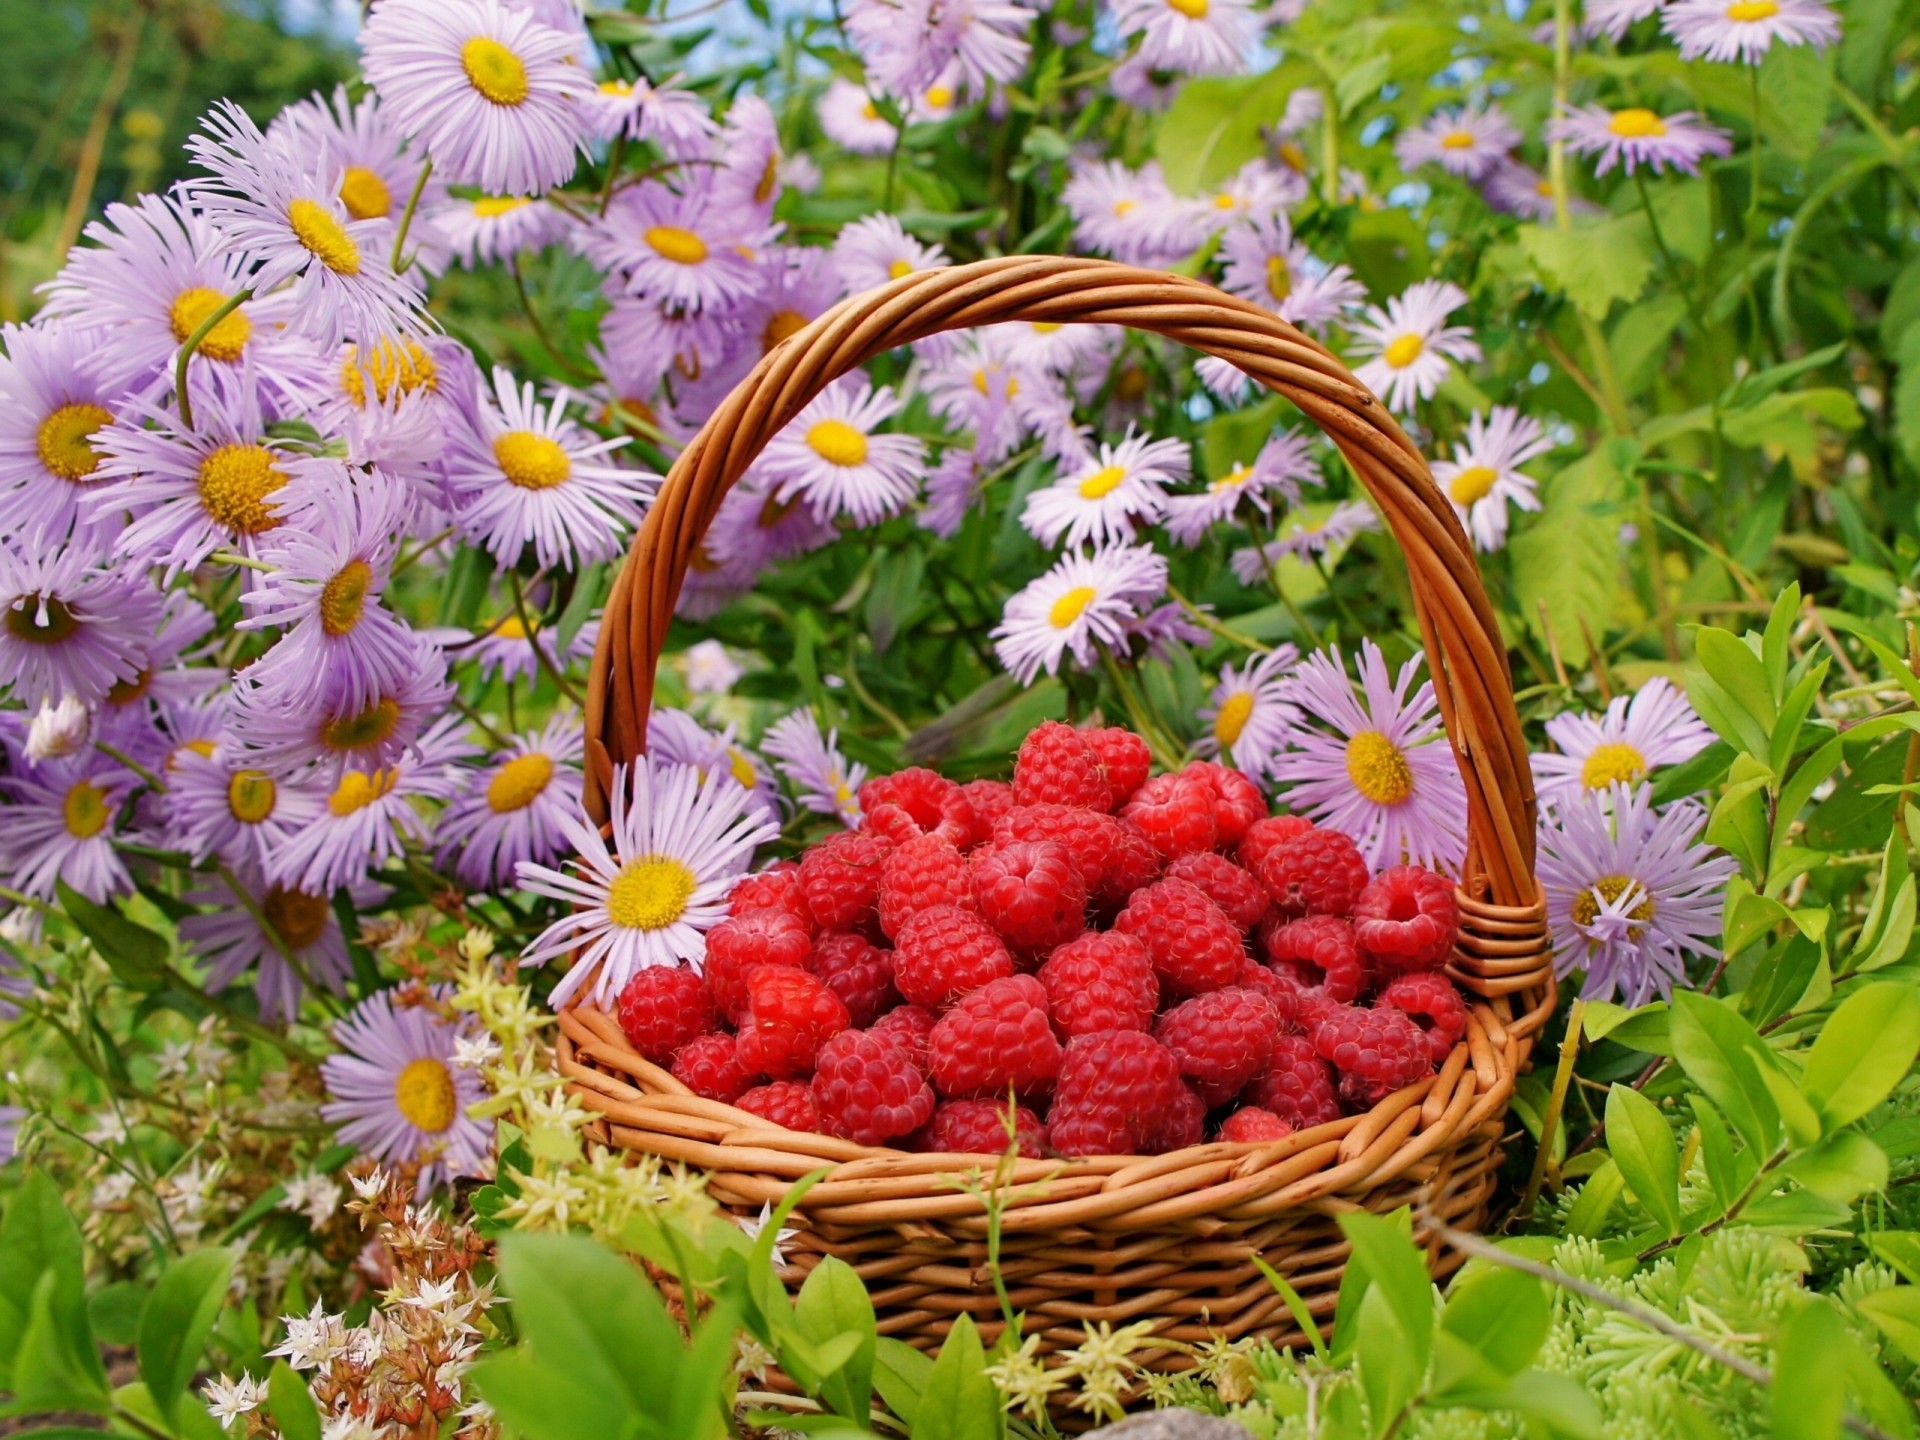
column 1170, row 1238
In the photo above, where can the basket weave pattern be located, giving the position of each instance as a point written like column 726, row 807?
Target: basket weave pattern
column 1169, row 1238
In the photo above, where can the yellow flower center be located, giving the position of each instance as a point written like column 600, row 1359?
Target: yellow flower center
column 869, row 111
column 670, row 242
column 405, row 365
column 899, row 268
column 1046, row 327
column 1615, row 761
column 1293, row 157
column 344, row 597
column 1235, row 711
column 494, row 70
column 939, row 97
column 492, row 207
column 424, row 1095
column 365, row 194
column 250, row 796
column 1586, row 909
column 1748, row 12
column 742, row 768
column 295, row 916
column 62, row 440
column 763, row 188
column 1124, row 207
column 1103, row 482
column 1636, row 124
column 519, row 782
column 512, row 628
column 1379, row 769
column 1223, row 201
column 779, row 327
column 1471, row 484
column 125, row 692
column 1279, row 277
column 1232, row 480
column 198, row 747
column 1457, row 140
column 235, row 481
column 649, row 893
column 324, row 237
column 1192, row 9
column 616, row 87
column 838, row 443
column 227, row 340
column 85, row 810
column 369, row 727
column 1069, row 606
column 357, row 790
column 533, row 462
column 1404, row 351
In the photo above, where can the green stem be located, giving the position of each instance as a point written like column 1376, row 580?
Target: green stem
column 200, row 333
column 1329, row 147
column 1693, row 313
column 546, row 662
column 613, row 170
column 401, row 266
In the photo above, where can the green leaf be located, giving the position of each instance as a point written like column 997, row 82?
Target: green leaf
column 1502, row 1314
column 1781, row 980
column 544, row 1401
column 1394, row 1265
column 1596, row 265
column 1897, row 1314
column 39, row 1238
column 1722, row 1055
column 290, row 1405
column 834, row 1304
column 1557, row 1404
column 1900, row 1249
column 176, row 1321
column 1796, row 1213
column 700, row 1404
column 1596, row 1200
column 134, row 953
column 900, row 1374
column 1296, row 1306
column 1733, row 665
column 1727, row 1172
column 50, row 1372
column 1809, row 1373
column 1215, row 125
column 1840, row 1168
column 464, row 590
column 1642, row 1146
column 1866, row 1047
column 113, row 1312
column 960, row 1402
column 1390, row 1368
column 1642, row 337
column 1568, row 561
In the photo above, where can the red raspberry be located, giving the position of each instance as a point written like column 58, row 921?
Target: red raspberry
column 944, row 953
column 910, row 803
column 1318, row 873
column 1090, row 1130
column 1322, row 945
column 921, row 873
column 790, row 1015
column 1124, row 759
column 1185, row 1123
column 979, row 1127
column 1221, row 1040
column 710, row 1065
column 775, row 888
column 1281, row 990
column 1133, row 863
column 1429, row 996
column 1114, row 1089
column 785, row 1102
column 1176, row 811
column 908, row 1026
column 840, row 877
column 1102, row 981
column 1238, row 894
column 1408, row 918
column 990, row 800
column 1237, row 801
column 662, row 1008
column 859, row 972
column 1193, row 945
column 1250, row 1125
column 866, row 1089
column 1031, row 893
column 1263, row 837
column 1297, row 1085
column 1376, row 1051
column 995, row 1038
column 1090, row 836
column 1056, row 766
column 736, row 946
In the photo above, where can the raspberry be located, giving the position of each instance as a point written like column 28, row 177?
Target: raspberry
column 1090, row 836
column 1192, row 944
column 1090, row 1130
column 866, row 1089
column 1297, row 1085
column 1376, row 1051
column 909, row 1027
column 1408, row 918
column 1282, row 990
column 859, row 972
column 1184, row 1124
column 1320, row 872
column 1221, row 1040
column 911, row 803
column 1114, row 1087
column 1237, row 801
column 944, row 953
column 990, row 800
column 1031, row 893
column 785, row 1102
column 1426, row 995
column 1133, row 863
column 840, row 877
column 710, row 1065
column 736, row 946
column 790, row 1015
column 775, row 888
column 1176, row 812
column 995, row 1038
column 979, row 1127
column 1102, row 981
column 1238, row 894
column 1056, row 766
column 662, row 1008
column 1124, row 759
column 1322, row 945
column 1263, row 837
column 921, row 873
column 1251, row 1125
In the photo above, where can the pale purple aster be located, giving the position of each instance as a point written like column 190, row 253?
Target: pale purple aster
column 832, row 456
column 1257, row 190
column 680, row 842
column 1284, row 464
column 1137, row 84
column 1058, row 348
column 1085, row 601
column 173, row 659
column 979, row 388
column 69, row 628
column 1224, row 380
column 60, row 826
column 754, row 525
column 1613, row 18
column 59, row 730
column 1637, row 735
column 798, row 284
column 1163, row 629
column 1631, row 892
column 1483, row 478
column 1214, row 37
column 1518, row 190
column 1110, row 496
column 1636, row 136
column 675, row 738
column 505, row 649
column 1249, row 715
column 195, row 726
column 822, row 779
column 403, row 442
column 646, row 341
column 53, row 405
column 852, row 121
column 1746, row 30
column 485, row 229
column 1305, row 535
column 218, row 805
column 746, row 179
column 358, row 141
column 1374, row 763
column 716, row 579
column 256, row 925
column 280, row 737
column 1304, row 108
column 512, row 809
column 874, row 250
column 679, row 248
column 1410, row 343
column 909, row 44
column 1466, row 141
column 1265, row 264
column 954, row 485
column 675, row 119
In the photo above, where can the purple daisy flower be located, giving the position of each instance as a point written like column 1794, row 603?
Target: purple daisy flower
column 852, row 121
column 1466, row 142
column 1110, row 496
column 812, row 763
column 1209, row 38
column 1483, row 478
column 1284, row 464
column 274, row 931
column 831, row 456
column 1084, row 602
column 675, row 738
column 1315, row 530
column 357, row 139
column 681, row 248
column 486, row 229
column 909, row 44
column 954, row 484
column 1266, row 265
column 1639, row 733
column 53, row 404
column 1410, row 343
column 60, row 826
column 67, row 628
column 505, row 649
column 1518, row 190
column 530, row 789
column 218, row 805
column 280, row 735
column 875, row 249
column 1636, row 136
column 675, row 119
column 1249, row 715
column 1746, row 30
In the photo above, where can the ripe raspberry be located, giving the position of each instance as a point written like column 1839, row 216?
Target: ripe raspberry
column 775, row 888
column 1263, row 837
column 979, row 1127
column 840, row 877
column 859, row 972
column 1090, row 1130
column 790, row 1015
column 662, row 1008
column 1031, row 893
column 921, row 873
column 944, row 953
column 1408, row 918
column 1090, row 836
column 736, row 946
column 866, row 1089
column 1376, row 1051
column 1237, row 801
column 1192, row 944
column 1317, row 873
column 710, row 1065
column 1221, row 1040
column 1124, row 759
column 908, row 1026
column 1281, row 989
column 1297, row 1085
column 1133, row 864
column 1056, row 766
column 910, row 803
column 1113, row 1089
column 1102, row 981
column 1323, row 946
column 1250, row 1125
column 1238, row 894
column 785, row 1102
column 995, row 1038
column 990, row 800
column 1184, row 1125
column 1176, row 811
column 1430, row 997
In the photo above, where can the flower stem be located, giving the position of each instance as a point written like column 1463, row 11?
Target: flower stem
column 200, row 332
column 401, row 266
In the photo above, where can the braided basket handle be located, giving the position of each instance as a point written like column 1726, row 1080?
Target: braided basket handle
column 1468, row 660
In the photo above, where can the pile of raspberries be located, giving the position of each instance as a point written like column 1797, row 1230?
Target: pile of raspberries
column 1145, row 963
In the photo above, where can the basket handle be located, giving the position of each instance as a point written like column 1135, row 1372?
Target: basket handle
column 1468, row 660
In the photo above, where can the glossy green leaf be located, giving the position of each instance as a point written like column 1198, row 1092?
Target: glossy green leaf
column 1642, row 1146
column 134, row 953
column 1597, row 265
column 960, row 1402
column 1840, row 1168
column 176, row 1321
column 833, row 1303
column 1866, row 1048
column 38, row 1237
column 1722, row 1055
column 1502, row 1315
column 900, row 1374
column 1897, row 1313
column 1809, row 1374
